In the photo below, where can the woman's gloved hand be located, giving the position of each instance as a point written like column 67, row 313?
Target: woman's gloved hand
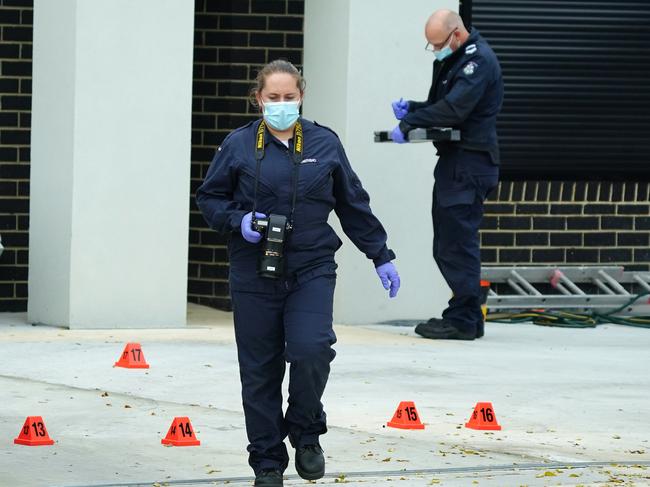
column 389, row 278
column 247, row 231
column 400, row 108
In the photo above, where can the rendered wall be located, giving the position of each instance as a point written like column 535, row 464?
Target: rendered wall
column 110, row 163
column 359, row 56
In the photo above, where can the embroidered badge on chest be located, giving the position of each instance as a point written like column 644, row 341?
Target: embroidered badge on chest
column 469, row 68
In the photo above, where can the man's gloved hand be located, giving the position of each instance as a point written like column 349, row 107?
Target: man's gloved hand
column 389, row 278
column 398, row 136
column 247, row 232
column 400, row 108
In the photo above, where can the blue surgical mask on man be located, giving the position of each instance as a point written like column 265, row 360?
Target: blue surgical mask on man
column 281, row 115
column 444, row 52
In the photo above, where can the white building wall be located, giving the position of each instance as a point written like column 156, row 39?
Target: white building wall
column 52, row 154
column 359, row 56
column 110, row 163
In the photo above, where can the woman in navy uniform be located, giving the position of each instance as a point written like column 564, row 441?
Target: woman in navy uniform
column 285, row 165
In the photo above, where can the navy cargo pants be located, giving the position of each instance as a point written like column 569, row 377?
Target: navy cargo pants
column 293, row 323
column 463, row 180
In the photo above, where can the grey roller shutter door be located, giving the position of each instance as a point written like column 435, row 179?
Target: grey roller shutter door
column 577, row 81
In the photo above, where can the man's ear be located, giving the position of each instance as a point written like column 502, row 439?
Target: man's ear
column 457, row 37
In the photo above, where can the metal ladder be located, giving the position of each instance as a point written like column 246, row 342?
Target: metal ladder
column 566, row 280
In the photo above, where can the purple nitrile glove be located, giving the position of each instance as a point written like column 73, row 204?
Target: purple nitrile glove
column 400, row 108
column 247, row 231
column 389, row 278
column 397, row 136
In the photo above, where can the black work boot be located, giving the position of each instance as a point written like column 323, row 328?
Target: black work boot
column 269, row 478
column 480, row 329
column 432, row 321
column 310, row 462
column 443, row 330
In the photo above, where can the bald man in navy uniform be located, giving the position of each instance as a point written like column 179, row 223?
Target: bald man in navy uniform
column 466, row 93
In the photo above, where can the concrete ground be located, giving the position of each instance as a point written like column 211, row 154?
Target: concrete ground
column 574, row 406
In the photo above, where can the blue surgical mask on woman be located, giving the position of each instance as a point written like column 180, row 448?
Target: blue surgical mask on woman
column 281, row 115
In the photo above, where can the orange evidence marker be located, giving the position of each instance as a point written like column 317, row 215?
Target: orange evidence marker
column 132, row 357
column 34, row 433
column 181, row 433
column 483, row 417
column 406, row 417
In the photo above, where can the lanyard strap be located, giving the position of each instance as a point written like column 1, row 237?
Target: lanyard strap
column 260, row 143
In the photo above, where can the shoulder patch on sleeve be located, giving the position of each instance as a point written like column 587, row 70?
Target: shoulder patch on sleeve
column 469, row 68
column 471, row 49
column 326, row 128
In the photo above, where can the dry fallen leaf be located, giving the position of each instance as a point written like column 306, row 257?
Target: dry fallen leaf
column 546, row 474
column 469, row 452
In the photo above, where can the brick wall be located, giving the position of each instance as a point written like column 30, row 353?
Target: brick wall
column 567, row 222
column 15, row 122
column 233, row 39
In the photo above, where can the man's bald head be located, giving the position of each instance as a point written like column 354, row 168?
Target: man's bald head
column 441, row 24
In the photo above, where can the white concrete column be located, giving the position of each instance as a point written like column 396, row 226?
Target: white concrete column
column 359, row 56
column 110, row 170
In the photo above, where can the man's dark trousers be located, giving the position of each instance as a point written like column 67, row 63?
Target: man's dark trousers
column 292, row 324
column 463, row 180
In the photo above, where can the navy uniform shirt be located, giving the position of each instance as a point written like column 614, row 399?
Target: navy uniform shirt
column 326, row 182
column 466, row 93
